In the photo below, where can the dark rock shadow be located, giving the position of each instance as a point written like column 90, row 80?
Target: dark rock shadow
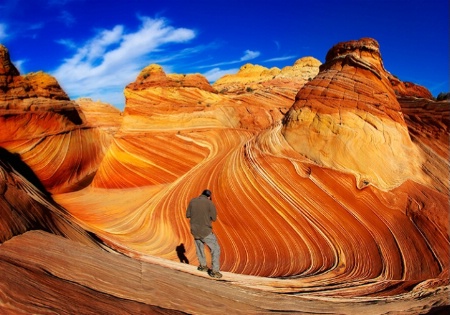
column 13, row 161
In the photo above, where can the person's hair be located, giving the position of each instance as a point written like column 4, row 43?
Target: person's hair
column 206, row 193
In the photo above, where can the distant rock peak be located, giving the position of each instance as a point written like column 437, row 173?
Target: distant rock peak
column 348, row 118
column 154, row 76
column 354, row 47
column 254, row 77
column 15, row 87
column 7, row 68
column 257, row 72
column 363, row 53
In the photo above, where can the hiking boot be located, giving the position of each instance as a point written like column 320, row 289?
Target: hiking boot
column 214, row 274
column 202, row 268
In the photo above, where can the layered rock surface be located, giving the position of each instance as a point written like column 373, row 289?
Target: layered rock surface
column 25, row 204
column 48, row 130
column 181, row 110
column 129, row 286
column 348, row 118
column 101, row 115
column 256, row 77
column 325, row 214
column 254, row 98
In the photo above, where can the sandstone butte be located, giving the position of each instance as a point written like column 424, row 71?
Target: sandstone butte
column 331, row 182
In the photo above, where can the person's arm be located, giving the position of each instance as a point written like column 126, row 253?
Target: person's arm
column 213, row 212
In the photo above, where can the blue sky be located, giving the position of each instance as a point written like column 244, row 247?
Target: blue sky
column 95, row 48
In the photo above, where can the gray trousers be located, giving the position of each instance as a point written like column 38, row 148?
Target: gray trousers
column 211, row 242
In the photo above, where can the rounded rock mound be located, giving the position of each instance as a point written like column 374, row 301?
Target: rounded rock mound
column 348, row 118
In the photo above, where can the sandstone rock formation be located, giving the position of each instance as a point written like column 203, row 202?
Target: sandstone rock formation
column 409, row 89
column 348, row 118
column 165, row 109
column 339, row 206
column 255, row 77
column 129, row 286
column 189, row 101
column 48, row 130
column 428, row 125
column 101, row 115
column 16, row 88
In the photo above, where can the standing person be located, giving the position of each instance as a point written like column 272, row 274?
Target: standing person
column 202, row 212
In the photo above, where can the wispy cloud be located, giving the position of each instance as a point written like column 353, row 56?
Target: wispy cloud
column 67, row 42
column 3, row 34
column 435, row 87
column 67, row 18
column 277, row 44
column 31, row 31
column 216, row 73
column 280, row 58
column 19, row 65
column 102, row 66
column 11, row 29
column 248, row 55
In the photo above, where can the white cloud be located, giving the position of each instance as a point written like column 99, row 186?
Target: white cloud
column 277, row 44
column 3, row 34
column 67, row 18
column 249, row 55
column 105, row 64
column 280, row 58
column 216, row 73
column 67, row 42
column 19, row 65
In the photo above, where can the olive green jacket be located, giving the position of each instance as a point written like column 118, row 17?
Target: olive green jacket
column 201, row 212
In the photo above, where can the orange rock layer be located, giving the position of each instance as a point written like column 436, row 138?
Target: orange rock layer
column 47, row 130
column 348, row 118
column 340, row 192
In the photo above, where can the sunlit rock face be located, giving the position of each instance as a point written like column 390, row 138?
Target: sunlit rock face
column 256, row 77
column 47, row 130
column 254, row 98
column 18, row 90
column 157, row 100
column 101, row 115
column 428, row 125
column 339, row 205
column 348, row 118
column 409, row 89
column 348, row 201
column 183, row 110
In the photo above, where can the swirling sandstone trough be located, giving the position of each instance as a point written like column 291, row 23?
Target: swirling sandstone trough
column 340, row 204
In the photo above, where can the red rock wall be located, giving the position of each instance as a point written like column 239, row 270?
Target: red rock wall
column 47, row 130
column 344, row 196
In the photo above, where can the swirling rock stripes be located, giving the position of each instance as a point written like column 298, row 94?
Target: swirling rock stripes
column 148, row 160
column 25, row 205
column 428, row 125
column 343, row 198
column 273, row 225
column 67, row 159
column 131, row 286
column 292, row 203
